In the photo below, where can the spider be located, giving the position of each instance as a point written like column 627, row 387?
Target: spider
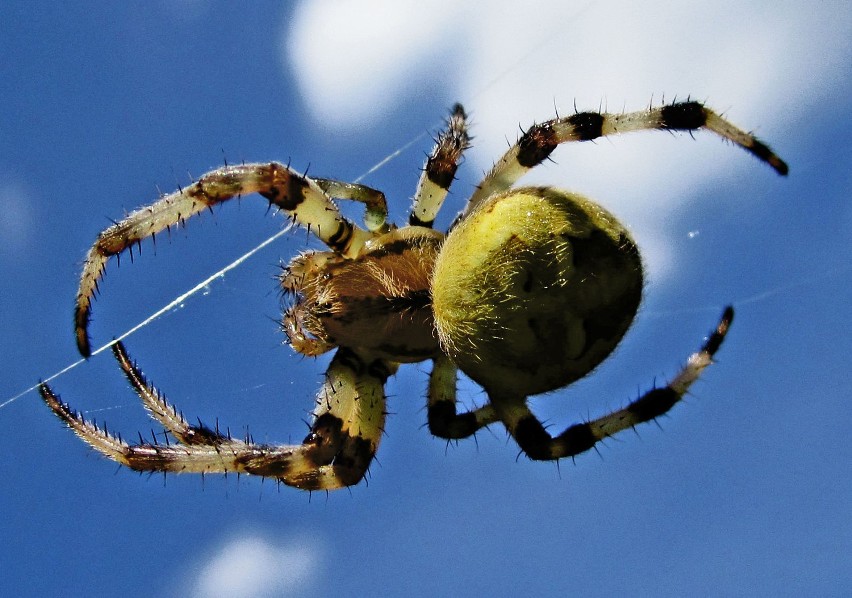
column 531, row 288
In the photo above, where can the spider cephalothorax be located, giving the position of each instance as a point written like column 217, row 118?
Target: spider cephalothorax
column 379, row 304
column 529, row 291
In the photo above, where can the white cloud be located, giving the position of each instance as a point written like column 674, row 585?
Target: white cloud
column 250, row 566
column 353, row 59
column 765, row 64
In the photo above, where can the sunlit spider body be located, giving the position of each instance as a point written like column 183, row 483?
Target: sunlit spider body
column 529, row 291
column 531, row 306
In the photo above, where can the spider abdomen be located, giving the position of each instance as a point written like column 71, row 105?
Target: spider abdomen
column 534, row 289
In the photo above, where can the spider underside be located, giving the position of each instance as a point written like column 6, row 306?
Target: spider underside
column 529, row 291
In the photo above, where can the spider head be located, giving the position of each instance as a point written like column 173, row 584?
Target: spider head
column 534, row 289
column 377, row 302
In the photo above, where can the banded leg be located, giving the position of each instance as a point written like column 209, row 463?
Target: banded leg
column 537, row 143
column 440, row 170
column 538, row 444
column 444, row 420
column 376, row 215
column 347, row 427
column 160, row 409
column 302, row 199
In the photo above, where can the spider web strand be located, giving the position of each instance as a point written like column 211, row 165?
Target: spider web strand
column 166, row 308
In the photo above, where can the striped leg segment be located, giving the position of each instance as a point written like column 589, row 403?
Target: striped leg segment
column 440, row 169
column 301, row 198
column 347, row 427
column 540, row 140
column 444, row 420
column 376, row 215
column 160, row 409
column 538, row 444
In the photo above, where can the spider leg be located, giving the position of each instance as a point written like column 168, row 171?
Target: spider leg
column 347, row 427
column 301, row 198
column 444, row 420
column 160, row 409
column 440, row 169
column 537, row 143
column 538, row 444
column 376, row 216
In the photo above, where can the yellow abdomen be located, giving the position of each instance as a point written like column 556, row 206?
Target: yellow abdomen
column 534, row 289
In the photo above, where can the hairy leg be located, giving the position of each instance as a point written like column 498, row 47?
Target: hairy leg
column 301, row 198
column 537, row 143
column 348, row 422
column 440, row 169
column 538, row 444
column 444, row 419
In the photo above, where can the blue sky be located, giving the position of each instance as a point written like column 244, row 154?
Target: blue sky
column 744, row 489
